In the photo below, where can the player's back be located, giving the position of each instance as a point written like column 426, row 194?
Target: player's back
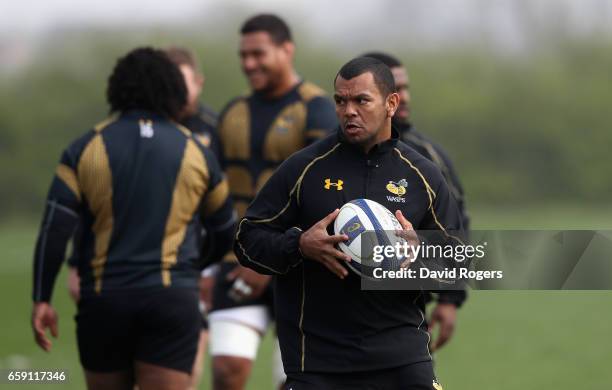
column 142, row 179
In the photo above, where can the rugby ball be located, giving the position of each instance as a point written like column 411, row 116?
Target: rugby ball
column 367, row 224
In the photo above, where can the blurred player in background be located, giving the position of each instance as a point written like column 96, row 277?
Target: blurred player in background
column 196, row 116
column 417, row 140
column 202, row 121
column 140, row 187
column 445, row 312
column 258, row 132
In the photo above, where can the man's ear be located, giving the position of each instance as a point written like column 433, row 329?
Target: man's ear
column 200, row 79
column 392, row 104
column 289, row 49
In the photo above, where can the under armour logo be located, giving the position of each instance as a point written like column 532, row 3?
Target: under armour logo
column 146, row 128
column 329, row 184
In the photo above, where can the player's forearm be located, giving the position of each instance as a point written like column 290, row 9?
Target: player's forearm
column 56, row 230
column 265, row 250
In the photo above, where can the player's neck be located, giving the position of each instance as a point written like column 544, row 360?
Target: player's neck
column 286, row 84
column 382, row 135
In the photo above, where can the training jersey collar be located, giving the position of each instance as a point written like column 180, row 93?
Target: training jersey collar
column 141, row 114
column 262, row 95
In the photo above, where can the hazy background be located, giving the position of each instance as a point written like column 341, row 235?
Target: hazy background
column 517, row 91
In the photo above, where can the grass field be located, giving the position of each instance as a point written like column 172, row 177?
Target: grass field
column 504, row 340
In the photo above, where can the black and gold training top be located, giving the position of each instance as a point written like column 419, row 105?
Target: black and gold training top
column 141, row 188
column 258, row 133
column 204, row 126
column 326, row 324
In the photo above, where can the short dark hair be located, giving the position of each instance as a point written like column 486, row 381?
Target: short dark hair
column 146, row 79
column 360, row 65
column 387, row 59
column 270, row 23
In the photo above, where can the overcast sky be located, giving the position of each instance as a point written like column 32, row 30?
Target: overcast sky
column 511, row 24
column 39, row 15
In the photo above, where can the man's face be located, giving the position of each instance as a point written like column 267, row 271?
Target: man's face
column 263, row 61
column 402, row 87
column 194, row 82
column 361, row 108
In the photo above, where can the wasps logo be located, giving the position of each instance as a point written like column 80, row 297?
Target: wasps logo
column 329, row 184
column 285, row 123
column 146, row 128
column 436, row 385
column 397, row 188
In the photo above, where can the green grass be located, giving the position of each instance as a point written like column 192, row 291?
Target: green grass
column 545, row 216
column 530, row 340
column 504, row 339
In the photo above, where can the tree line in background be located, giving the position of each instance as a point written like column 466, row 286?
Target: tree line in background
column 528, row 129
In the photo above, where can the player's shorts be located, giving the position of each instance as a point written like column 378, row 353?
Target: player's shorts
column 238, row 331
column 237, row 326
column 158, row 326
column 417, row 376
column 222, row 292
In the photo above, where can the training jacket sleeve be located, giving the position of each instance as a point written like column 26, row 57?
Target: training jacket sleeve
column 455, row 188
column 267, row 239
column 61, row 217
column 456, row 297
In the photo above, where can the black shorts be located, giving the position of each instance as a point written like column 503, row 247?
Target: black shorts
column 222, row 297
column 416, row 376
column 158, row 326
